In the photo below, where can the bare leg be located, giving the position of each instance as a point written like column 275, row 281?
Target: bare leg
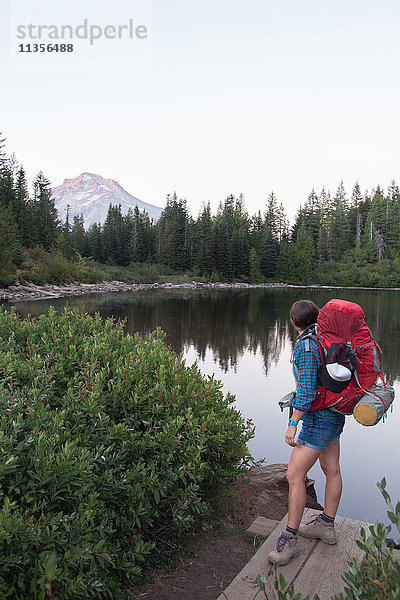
column 329, row 461
column 301, row 461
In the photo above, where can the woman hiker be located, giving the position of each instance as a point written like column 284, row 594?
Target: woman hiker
column 318, row 439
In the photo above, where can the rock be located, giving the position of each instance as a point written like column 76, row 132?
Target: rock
column 262, row 526
column 263, row 491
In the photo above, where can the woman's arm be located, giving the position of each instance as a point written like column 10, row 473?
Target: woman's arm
column 292, row 429
column 307, row 365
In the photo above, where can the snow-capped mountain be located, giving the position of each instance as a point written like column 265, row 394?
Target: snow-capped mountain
column 91, row 195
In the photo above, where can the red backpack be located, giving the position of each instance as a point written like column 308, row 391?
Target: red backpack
column 350, row 363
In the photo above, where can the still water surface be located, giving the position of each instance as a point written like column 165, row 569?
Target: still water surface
column 245, row 338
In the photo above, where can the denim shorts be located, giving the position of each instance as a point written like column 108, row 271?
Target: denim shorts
column 320, row 434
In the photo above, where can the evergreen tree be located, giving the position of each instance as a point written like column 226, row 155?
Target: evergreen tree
column 149, row 237
column 255, row 273
column 355, row 217
column 325, row 242
column 393, row 227
column 312, row 216
column 8, row 230
column 6, row 184
column 115, row 237
column 378, row 213
column 22, row 209
column 232, row 239
column 271, row 215
column 304, row 256
column 203, row 245
column 269, row 253
column 274, row 229
column 66, row 231
column 67, row 228
column 377, row 222
column 172, row 235
column 7, row 241
column 338, row 232
column 78, row 235
column 135, row 223
column 13, row 165
column 223, row 249
column 286, row 267
column 241, row 240
column 282, row 224
column 94, row 237
column 257, row 232
column 46, row 223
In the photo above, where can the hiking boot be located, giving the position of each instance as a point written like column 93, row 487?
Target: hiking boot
column 319, row 529
column 285, row 549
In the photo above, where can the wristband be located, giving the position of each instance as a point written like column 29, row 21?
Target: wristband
column 291, row 422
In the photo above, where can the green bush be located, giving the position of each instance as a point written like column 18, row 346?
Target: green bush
column 110, row 447
column 146, row 272
column 6, row 280
column 94, row 276
column 137, row 272
column 86, row 270
column 57, row 271
column 378, row 575
column 34, row 258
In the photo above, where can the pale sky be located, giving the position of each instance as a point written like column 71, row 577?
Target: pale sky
column 224, row 96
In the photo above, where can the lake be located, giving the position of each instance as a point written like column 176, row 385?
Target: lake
column 244, row 337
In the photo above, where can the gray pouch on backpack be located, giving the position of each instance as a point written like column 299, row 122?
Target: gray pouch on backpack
column 287, row 400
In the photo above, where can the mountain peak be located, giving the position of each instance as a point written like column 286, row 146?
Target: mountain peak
column 91, row 194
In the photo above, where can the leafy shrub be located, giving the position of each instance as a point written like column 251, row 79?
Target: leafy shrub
column 35, row 257
column 57, row 271
column 94, row 276
column 137, row 272
column 147, row 272
column 110, row 447
column 86, row 270
column 378, row 575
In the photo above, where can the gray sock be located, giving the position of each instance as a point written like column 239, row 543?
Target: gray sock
column 326, row 519
column 292, row 531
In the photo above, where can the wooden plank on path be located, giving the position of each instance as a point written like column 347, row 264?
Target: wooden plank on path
column 299, row 564
column 244, row 586
column 323, row 573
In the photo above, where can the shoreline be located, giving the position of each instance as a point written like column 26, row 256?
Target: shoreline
column 26, row 291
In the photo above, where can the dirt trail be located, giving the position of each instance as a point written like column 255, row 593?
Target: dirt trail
column 218, row 556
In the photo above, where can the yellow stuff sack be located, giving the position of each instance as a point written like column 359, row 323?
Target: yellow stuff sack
column 373, row 405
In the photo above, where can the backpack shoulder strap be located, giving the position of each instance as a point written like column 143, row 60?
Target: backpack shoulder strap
column 311, row 334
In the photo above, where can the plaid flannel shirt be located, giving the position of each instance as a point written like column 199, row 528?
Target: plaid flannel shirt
column 306, row 367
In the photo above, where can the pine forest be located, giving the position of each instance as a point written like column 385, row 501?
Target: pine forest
column 346, row 238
